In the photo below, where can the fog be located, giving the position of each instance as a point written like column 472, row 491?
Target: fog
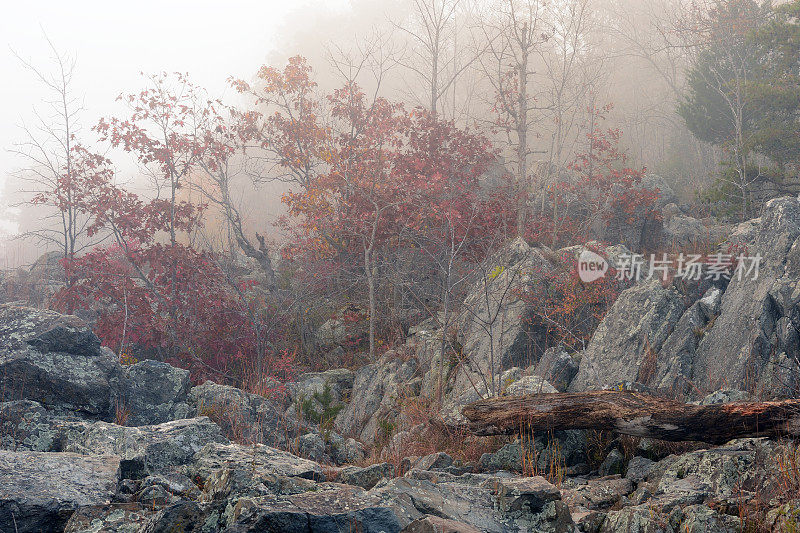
column 608, row 52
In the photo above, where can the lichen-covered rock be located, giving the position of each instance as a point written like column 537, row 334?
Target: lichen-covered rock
column 46, row 331
column 258, row 458
column 57, row 361
column 242, row 415
column 26, row 426
column 346, row 328
column 154, row 392
column 338, row 380
column 108, row 518
column 334, row 508
column 556, row 367
column 39, row 491
column 311, row 446
column 144, row 449
column 366, row 477
column 434, row 524
column 493, row 326
column 529, row 385
column 627, row 340
column 613, row 464
column 598, row 493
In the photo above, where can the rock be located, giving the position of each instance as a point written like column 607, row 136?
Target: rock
column 46, row 331
column 346, row 451
column 154, row 392
column 258, row 458
column 557, row 368
column 471, row 501
column 528, row 492
column 614, row 463
column 366, row 477
column 241, row 415
column 725, row 396
column 144, row 449
column 509, row 457
column 434, row 461
column 752, row 342
column 311, row 446
column 434, row 524
column 626, row 343
column 701, row 518
column 155, row 495
column 39, row 491
column 498, row 336
column 339, row 380
column 334, row 509
column 118, row 518
column 376, row 387
column 599, row 493
column 638, row 469
column 26, row 425
column 182, row 517
column 639, row 519
column 57, row 361
column 174, row 483
column 346, row 328
column 666, row 194
column 530, row 385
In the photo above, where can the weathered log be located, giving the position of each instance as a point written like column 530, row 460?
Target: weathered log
column 634, row 413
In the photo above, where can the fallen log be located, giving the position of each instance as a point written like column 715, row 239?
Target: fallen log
column 633, row 413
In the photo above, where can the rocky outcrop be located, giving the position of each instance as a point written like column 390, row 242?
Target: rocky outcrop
column 376, row 390
column 690, row 339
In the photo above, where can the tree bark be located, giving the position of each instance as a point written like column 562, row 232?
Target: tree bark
column 632, row 413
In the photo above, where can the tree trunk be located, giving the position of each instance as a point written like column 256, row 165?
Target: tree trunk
column 632, row 413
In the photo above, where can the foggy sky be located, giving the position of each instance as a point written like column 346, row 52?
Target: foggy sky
column 113, row 42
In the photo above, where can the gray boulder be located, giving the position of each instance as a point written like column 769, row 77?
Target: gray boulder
column 243, row 416
column 493, row 325
column 626, row 343
column 557, row 367
column 57, row 361
column 39, row 491
column 258, row 459
column 143, row 450
column 366, row 477
column 529, row 385
column 154, row 392
column 374, row 396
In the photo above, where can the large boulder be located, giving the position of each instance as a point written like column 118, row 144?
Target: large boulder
column 154, row 392
column 494, row 327
column 243, row 416
column 39, row 491
column 626, row 343
column 57, row 361
column 754, row 343
column 373, row 406
column 143, row 450
column 346, row 328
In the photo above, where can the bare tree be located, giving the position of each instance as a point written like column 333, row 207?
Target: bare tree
column 49, row 148
column 514, row 34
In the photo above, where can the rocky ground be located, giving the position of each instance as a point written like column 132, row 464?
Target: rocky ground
column 88, row 444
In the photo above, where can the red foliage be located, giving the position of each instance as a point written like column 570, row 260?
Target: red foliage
column 567, row 308
column 602, row 189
